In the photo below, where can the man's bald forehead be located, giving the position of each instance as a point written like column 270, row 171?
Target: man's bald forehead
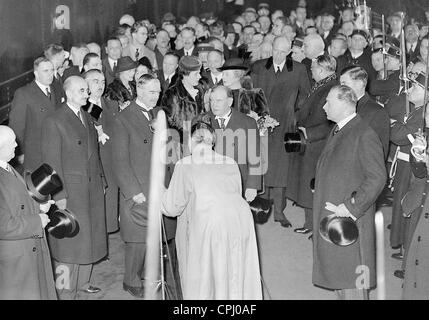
column 73, row 81
column 220, row 89
column 6, row 134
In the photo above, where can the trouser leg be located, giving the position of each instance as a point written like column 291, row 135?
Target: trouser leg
column 134, row 263
column 308, row 223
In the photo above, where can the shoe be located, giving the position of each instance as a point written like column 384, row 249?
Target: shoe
column 302, row 230
column 399, row 274
column 398, row 256
column 285, row 223
column 137, row 292
column 91, row 289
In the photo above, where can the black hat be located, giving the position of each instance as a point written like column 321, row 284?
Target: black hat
column 341, row 231
column 234, row 64
column 420, row 80
column 62, row 224
column 361, row 33
column 94, row 110
column 261, row 209
column 125, row 64
column 43, row 183
column 295, row 142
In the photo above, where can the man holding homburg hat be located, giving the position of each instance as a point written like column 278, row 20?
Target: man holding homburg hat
column 350, row 175
column 25, row 262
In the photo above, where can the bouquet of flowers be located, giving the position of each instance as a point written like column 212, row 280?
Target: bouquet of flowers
column 265, row 122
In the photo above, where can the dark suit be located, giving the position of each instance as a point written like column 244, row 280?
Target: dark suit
column 25, row 262
column 109, row 73
column 284, row 92
column 302, row 167
column 72, row 150
column 181, row 52
column 164, row 84
column 71, row 71
column 352, row 161
column 377, row 118
column 245, row 150
column 132, row 149
column 30, row 107
column 384, row 90
column 60, row 96
column 412, row 55
column 112, row 192
column 159, row 58
column 207, row 76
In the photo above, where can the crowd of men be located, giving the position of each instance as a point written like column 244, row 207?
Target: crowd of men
column 340, row 86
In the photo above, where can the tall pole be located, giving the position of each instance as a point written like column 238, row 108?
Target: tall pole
column 383, row 27
column 379, row 232
column 404, row 76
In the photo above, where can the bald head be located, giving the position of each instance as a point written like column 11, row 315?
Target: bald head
column 7, row 144
column 313, row 46
column 76, row 89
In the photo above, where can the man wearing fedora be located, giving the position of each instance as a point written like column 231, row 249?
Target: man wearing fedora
column 70, row 146
column 285, row 84
column 25, row 262
column 30, row 106
column 350, row 175
column 104, row 125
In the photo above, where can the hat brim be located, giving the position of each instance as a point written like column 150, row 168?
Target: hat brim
column 233, row 68
column 32, row 190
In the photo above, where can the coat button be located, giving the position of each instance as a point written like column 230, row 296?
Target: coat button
column 419, row 238
column 34, row 249
column 89, row 179
column 79, row 142
column 415, row 284
column 417, row 262
column 426, row 215
column 22, row 207
column 145, row 141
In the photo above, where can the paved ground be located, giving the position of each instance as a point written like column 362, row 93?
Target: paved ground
column 286, row 261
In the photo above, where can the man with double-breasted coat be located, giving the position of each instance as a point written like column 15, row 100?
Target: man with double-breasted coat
column 25, row 262
column 350, row 175
column 70, row 146
column 30, row 106
column 285, row 84
column 311, row 119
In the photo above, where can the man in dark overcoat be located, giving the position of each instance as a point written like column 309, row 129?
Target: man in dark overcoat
column 312, row 121
column 70, row 146
column 132, row 149
column 30, row 106
column 109, row 63
column 286, row 85
column 350, row 175
column 25, row 262
column 104, row 126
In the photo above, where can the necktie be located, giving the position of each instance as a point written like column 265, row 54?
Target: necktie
column 222, row 123
column 137, row 54
column 149, row 113
column 187, row 53
column 48, row 93
column 114, row 66
column 278, row 70
column 79, row 115
column 216, row 81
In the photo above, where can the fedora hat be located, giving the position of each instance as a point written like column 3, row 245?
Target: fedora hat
column 234, row 64
column 125, row 64
column 295, row 142
column 43, row 183
column 62, row 224
column 341, row 231
column 94, row 110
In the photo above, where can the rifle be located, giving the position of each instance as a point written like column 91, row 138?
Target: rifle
column 404, row 76
column 383, row 27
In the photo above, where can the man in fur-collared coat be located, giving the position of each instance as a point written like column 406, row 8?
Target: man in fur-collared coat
column 312, row 120
column 285, row 84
